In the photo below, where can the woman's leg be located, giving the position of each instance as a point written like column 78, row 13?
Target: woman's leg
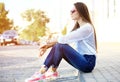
column 60, row 51
column 54, row 57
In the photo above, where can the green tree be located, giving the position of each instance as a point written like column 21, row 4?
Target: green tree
column 64, row 31
column 37, row 27
column 5, row 22
column 16, row 28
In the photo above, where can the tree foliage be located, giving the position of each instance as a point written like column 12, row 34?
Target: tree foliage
column 5, row 22
column 37, row 26
column 64, row 31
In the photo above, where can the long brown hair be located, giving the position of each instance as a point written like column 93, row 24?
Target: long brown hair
column 84, row 13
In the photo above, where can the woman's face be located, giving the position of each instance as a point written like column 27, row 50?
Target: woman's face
column 74, row 14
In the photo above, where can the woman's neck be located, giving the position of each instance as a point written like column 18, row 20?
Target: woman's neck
column 81, row 22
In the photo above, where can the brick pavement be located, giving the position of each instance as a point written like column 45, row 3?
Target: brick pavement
column 18, row 63
column 108, row 64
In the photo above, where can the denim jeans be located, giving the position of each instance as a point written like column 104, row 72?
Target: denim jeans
column 84, row 63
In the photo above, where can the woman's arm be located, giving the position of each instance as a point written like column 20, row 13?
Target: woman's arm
column 79, row 34
column 46, row 46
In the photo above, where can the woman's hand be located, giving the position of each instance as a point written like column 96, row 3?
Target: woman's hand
column 43, row 50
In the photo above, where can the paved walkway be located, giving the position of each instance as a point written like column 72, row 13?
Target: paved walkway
column 108, row 65
column 19, row 62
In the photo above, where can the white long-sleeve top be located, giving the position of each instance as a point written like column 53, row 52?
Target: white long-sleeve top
column 83, row 38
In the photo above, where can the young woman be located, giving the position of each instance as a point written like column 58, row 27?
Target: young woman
column 82, row 56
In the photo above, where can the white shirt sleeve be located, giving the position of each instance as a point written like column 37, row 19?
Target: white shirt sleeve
column 77, row 35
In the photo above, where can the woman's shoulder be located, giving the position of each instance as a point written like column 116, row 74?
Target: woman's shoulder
column 87, row 26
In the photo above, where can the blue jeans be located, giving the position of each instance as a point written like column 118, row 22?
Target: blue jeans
column 85, row 63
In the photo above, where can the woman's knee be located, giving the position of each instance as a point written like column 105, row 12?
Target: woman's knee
column 59, row 45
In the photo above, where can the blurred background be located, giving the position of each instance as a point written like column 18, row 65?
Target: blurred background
column 33, row 21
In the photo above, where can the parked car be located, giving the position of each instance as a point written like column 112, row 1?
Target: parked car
column 9, row 36
column 0, row 39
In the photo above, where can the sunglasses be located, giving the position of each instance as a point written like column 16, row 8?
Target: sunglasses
column 72, row 11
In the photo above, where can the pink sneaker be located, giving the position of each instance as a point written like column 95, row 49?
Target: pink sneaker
column 36, row 77
column 51, row 75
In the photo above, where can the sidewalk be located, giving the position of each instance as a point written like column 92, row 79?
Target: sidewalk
column 18, row 64
column 108, row 65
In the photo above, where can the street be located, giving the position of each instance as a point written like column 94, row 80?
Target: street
column 19, row 62
column 16, row 61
